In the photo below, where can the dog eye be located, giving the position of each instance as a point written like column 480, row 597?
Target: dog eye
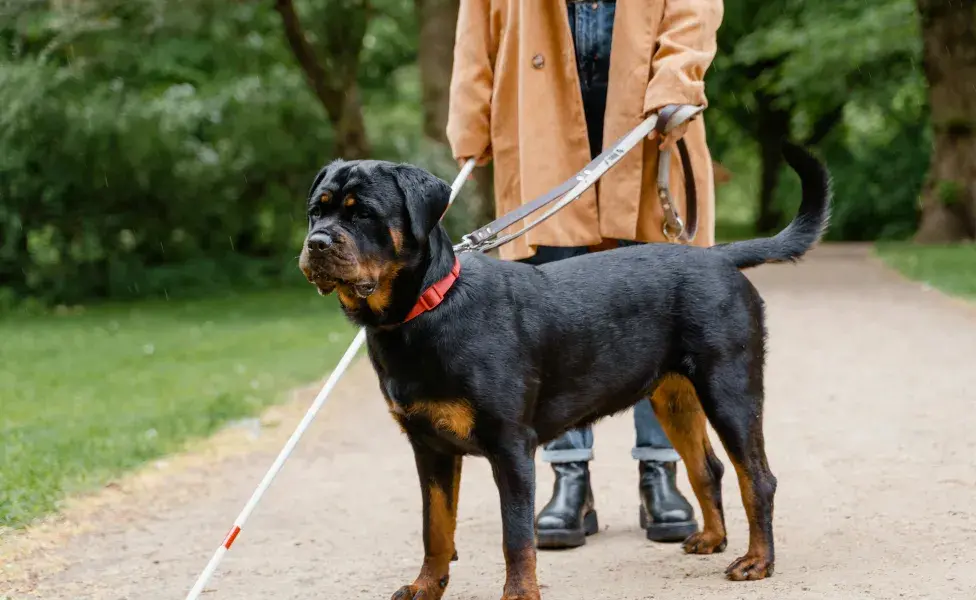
column 359, row 210
column 315, row 212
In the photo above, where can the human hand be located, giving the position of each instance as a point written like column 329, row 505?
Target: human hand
column 461, row 162
column 670, row 138
column 675, row 118
column 484, row 160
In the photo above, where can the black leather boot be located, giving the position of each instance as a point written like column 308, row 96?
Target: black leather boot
column 569, row 516
column 664, row 513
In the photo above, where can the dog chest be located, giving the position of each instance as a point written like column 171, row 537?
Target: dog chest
column 451, row 419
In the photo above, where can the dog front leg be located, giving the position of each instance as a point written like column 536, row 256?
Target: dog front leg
column 440, row 480
column 513, row 466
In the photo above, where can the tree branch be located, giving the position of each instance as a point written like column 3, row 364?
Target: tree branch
column 824, row 125
column 326, row 91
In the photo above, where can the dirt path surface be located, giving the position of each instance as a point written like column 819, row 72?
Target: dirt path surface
column 869, row 425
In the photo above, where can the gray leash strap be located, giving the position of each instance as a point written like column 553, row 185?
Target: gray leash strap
column 486, row 238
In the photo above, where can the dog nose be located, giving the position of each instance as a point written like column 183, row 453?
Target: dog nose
column 319, row 242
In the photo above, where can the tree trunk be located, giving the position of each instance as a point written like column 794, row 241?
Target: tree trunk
column 335, row 87
column 438, row 22
column 351, row 140
column 949, row 60
column 773, row 126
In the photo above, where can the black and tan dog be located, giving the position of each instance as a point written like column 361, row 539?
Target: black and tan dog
column 485, row 357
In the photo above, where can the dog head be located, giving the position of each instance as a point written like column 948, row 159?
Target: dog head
column 367, row 222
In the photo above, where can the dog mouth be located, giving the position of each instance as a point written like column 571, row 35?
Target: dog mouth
column 364, row 289
column 326, row 278
column 326, row 284
column 335, row 269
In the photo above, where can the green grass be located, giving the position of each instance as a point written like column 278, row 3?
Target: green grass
column 951, row 269
column 84, row 397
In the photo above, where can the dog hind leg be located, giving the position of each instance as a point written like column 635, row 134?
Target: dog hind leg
column 732, row 397
column 678, row 409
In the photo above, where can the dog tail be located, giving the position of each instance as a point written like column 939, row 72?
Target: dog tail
column 806, row 228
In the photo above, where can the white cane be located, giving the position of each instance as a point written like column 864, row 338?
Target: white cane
column 313, row 410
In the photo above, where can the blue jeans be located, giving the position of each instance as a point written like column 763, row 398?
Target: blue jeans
column 592, row 27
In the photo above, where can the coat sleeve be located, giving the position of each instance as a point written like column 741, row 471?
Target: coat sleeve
column 686, row 45
column 472, row 76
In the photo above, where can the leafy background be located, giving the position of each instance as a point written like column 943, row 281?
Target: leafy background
column 152, row 148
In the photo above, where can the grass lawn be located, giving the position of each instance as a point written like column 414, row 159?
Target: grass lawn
column 951, row 269
column 86, row 396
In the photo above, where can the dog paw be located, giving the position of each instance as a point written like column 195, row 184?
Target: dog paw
column 408, row 592
column 417, row 592
column 528, row 596
column 750, row 568
column 704, row 542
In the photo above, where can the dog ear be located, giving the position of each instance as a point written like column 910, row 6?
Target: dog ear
column 426, row 198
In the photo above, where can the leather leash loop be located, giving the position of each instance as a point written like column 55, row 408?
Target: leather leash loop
column 673, row 227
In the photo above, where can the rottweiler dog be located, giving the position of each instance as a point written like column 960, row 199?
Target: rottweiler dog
column 478, row 356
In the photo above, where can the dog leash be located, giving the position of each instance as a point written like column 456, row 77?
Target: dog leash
column 674, row 228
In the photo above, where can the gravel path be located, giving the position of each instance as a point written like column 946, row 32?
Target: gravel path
column 870, row 430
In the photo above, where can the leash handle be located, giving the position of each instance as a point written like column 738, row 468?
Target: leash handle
column 673, row 228
column 673, row 115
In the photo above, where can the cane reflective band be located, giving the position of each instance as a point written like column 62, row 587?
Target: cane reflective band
column 313, row 410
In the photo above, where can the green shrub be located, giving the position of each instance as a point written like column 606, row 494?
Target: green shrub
column 148, row 146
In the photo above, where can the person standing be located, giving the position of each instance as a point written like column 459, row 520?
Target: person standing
column 540, row 87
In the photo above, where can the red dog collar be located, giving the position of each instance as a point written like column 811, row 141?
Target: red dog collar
column 434, row 295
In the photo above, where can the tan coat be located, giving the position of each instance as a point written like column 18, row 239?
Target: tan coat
column 515, row 97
